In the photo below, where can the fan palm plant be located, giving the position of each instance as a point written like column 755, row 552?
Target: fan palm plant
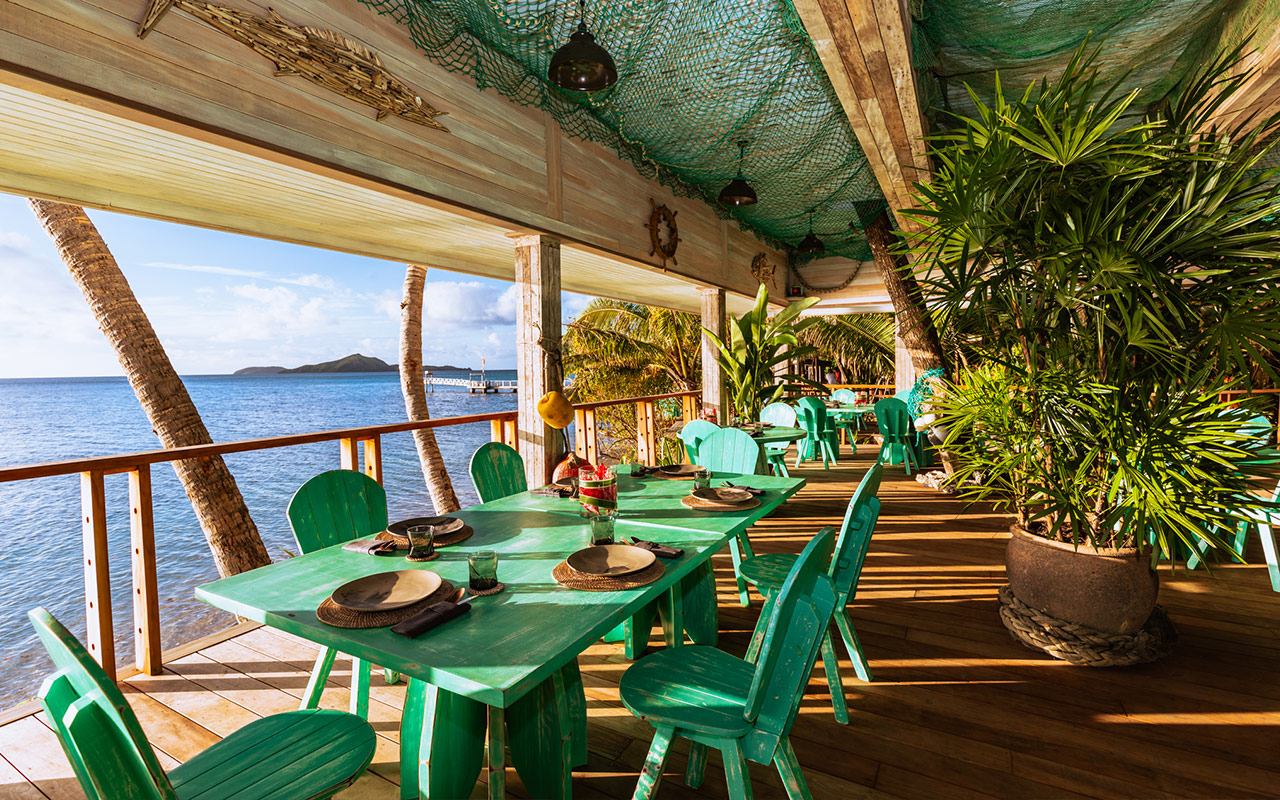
column 861, row 345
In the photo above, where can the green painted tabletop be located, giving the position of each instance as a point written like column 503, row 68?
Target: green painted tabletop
column 512, row 641
column 777, row 435
column 849, row 410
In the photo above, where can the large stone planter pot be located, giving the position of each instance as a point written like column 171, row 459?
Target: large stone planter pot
column 1113, row 591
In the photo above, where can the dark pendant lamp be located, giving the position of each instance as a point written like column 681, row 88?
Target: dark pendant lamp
column 581, row 65
column 738, row 192
column 811, row 245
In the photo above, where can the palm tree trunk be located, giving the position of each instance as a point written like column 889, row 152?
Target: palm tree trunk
column 915, row 325
column 233, row 538
column 415, row 394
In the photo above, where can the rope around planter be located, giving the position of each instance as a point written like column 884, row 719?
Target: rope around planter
column 1083, row 646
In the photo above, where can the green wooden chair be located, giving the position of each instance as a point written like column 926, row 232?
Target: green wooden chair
column 768, row 572
column 693, row 432
column 743, row 710
column 820, row 434
column 895, row 426
column 497, row 471
column 733, row 450
column 848, row 424
column 298, row 755
column 1259, row 521
column 784, row 416
column 333, row 508
column 845, row 396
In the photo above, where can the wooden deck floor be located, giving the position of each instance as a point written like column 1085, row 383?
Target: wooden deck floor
column 957, row 710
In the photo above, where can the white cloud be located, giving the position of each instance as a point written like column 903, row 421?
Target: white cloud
column 467, row 304
column 312, row 280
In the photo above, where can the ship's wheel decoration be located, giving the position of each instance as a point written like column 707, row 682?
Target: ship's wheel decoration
column 663, row 219
column 763, row 271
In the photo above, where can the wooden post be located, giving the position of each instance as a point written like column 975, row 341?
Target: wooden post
column 585, row 434
column 904, row 371
column 495, row 430
column 688, row 409
column 373, row 457
column 646, row 433
column 97, row 574
column 349, row 454
column 537, row 350
column 511, row 434
column 146, row 592
column 712, row 380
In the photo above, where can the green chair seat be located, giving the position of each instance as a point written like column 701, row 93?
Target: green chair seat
column 711, row 696
column 768, row 571
column 297, row 754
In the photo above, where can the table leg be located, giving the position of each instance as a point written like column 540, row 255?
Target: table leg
column 540, row 733
column 442, row 737
column 672, row 606
column 496, row 769
column 701, row 616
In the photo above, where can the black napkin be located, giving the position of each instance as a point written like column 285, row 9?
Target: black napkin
column 659, row 550
column 372, row 547
column 754, row 492
column 425, row 620
column 645, row 472
column 552, row 491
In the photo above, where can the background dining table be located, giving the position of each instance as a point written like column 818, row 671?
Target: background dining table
column 505, row 674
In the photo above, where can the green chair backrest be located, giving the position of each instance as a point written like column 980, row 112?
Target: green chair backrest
column 855, row 533
column 95, row 725
column 335, row 507
column 844, row 396
column 893, row 420
column 799, row 613
column 1257, row 428
column 497, row 470
column 780, row 414
column 813, row 415
column 729, row 450
column 904, row 395
column 693, row 432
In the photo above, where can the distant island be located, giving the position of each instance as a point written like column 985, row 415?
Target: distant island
column 352, row 363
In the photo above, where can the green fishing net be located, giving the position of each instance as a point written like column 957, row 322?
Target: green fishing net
column 695, row 77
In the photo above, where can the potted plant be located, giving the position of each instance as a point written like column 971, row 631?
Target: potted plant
column 756, row 345
column 1116, row 266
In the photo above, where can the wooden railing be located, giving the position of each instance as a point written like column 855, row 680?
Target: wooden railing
column 359, row 449
column 1236, row 394
column 874, row 391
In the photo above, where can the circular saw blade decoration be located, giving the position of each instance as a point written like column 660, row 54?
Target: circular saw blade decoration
column 662, row 220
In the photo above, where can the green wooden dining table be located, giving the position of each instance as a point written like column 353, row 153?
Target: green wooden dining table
column 506, row 673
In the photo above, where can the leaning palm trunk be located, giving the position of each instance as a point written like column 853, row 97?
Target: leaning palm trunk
column 233, row 537
column 415, row 394
column 915, row 325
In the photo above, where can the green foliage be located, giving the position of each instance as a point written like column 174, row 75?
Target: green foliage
column 861, row 345
column 616, row 349
column 1118, row 272
column 756, row 345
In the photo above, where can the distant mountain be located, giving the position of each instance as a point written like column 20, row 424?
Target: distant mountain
column 352, row 363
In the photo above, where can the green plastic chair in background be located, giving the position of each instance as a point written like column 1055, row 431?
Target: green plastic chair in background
column 497, row 471
column 743, row 710
column 694, row 432
column 820, row 434
column 784, row 416
column 333, row 508
column 1259, row 521
column 846, row 396
column 897, row 431
column 733, row 450
column 848, row 424
column 768, row 572
column 297, row 755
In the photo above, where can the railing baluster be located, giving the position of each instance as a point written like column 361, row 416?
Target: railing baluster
column 495, row 430
column 349, row 454
column 146, row 593
column 689, row 409
column 586, row 443
column 512, row 434
column 97, row 575
column 373, row 458
column 646, row 433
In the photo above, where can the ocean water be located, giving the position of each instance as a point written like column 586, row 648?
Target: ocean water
column 55, row 419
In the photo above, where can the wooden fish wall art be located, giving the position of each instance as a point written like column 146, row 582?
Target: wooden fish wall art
column 325, row 58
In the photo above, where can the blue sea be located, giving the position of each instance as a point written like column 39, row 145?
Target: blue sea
column 63, row 418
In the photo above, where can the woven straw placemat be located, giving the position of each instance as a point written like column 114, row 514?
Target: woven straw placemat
column 461, row 535
column 486, row 592
column 330, row 613
column 566, row 575
column 699, row 504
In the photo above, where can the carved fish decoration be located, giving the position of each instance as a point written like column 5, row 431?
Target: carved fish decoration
column 325, row 58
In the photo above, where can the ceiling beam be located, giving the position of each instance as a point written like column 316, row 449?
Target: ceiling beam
column 865, row 47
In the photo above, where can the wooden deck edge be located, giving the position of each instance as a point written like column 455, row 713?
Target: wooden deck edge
column 29, row 707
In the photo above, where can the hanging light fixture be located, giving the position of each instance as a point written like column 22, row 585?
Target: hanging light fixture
column 581, row 65
column 811, row 245
column 738, row 192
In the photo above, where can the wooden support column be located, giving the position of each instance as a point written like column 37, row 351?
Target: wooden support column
column 99, row 631
column 538, row 351
column 713, row 319
column 146, row 592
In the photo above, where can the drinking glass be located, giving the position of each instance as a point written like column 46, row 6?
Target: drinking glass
column 602, row 530
column 701, row 478
column 422, row 542
column 482, row 567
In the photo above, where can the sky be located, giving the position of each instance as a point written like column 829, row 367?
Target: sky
column 222, row 301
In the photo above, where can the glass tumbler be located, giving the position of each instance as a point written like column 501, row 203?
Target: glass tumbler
column 701, row 479
column 482, row 568
column 602, row 530
column 422, row 542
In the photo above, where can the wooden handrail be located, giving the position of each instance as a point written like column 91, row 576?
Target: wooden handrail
column 624, row 401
